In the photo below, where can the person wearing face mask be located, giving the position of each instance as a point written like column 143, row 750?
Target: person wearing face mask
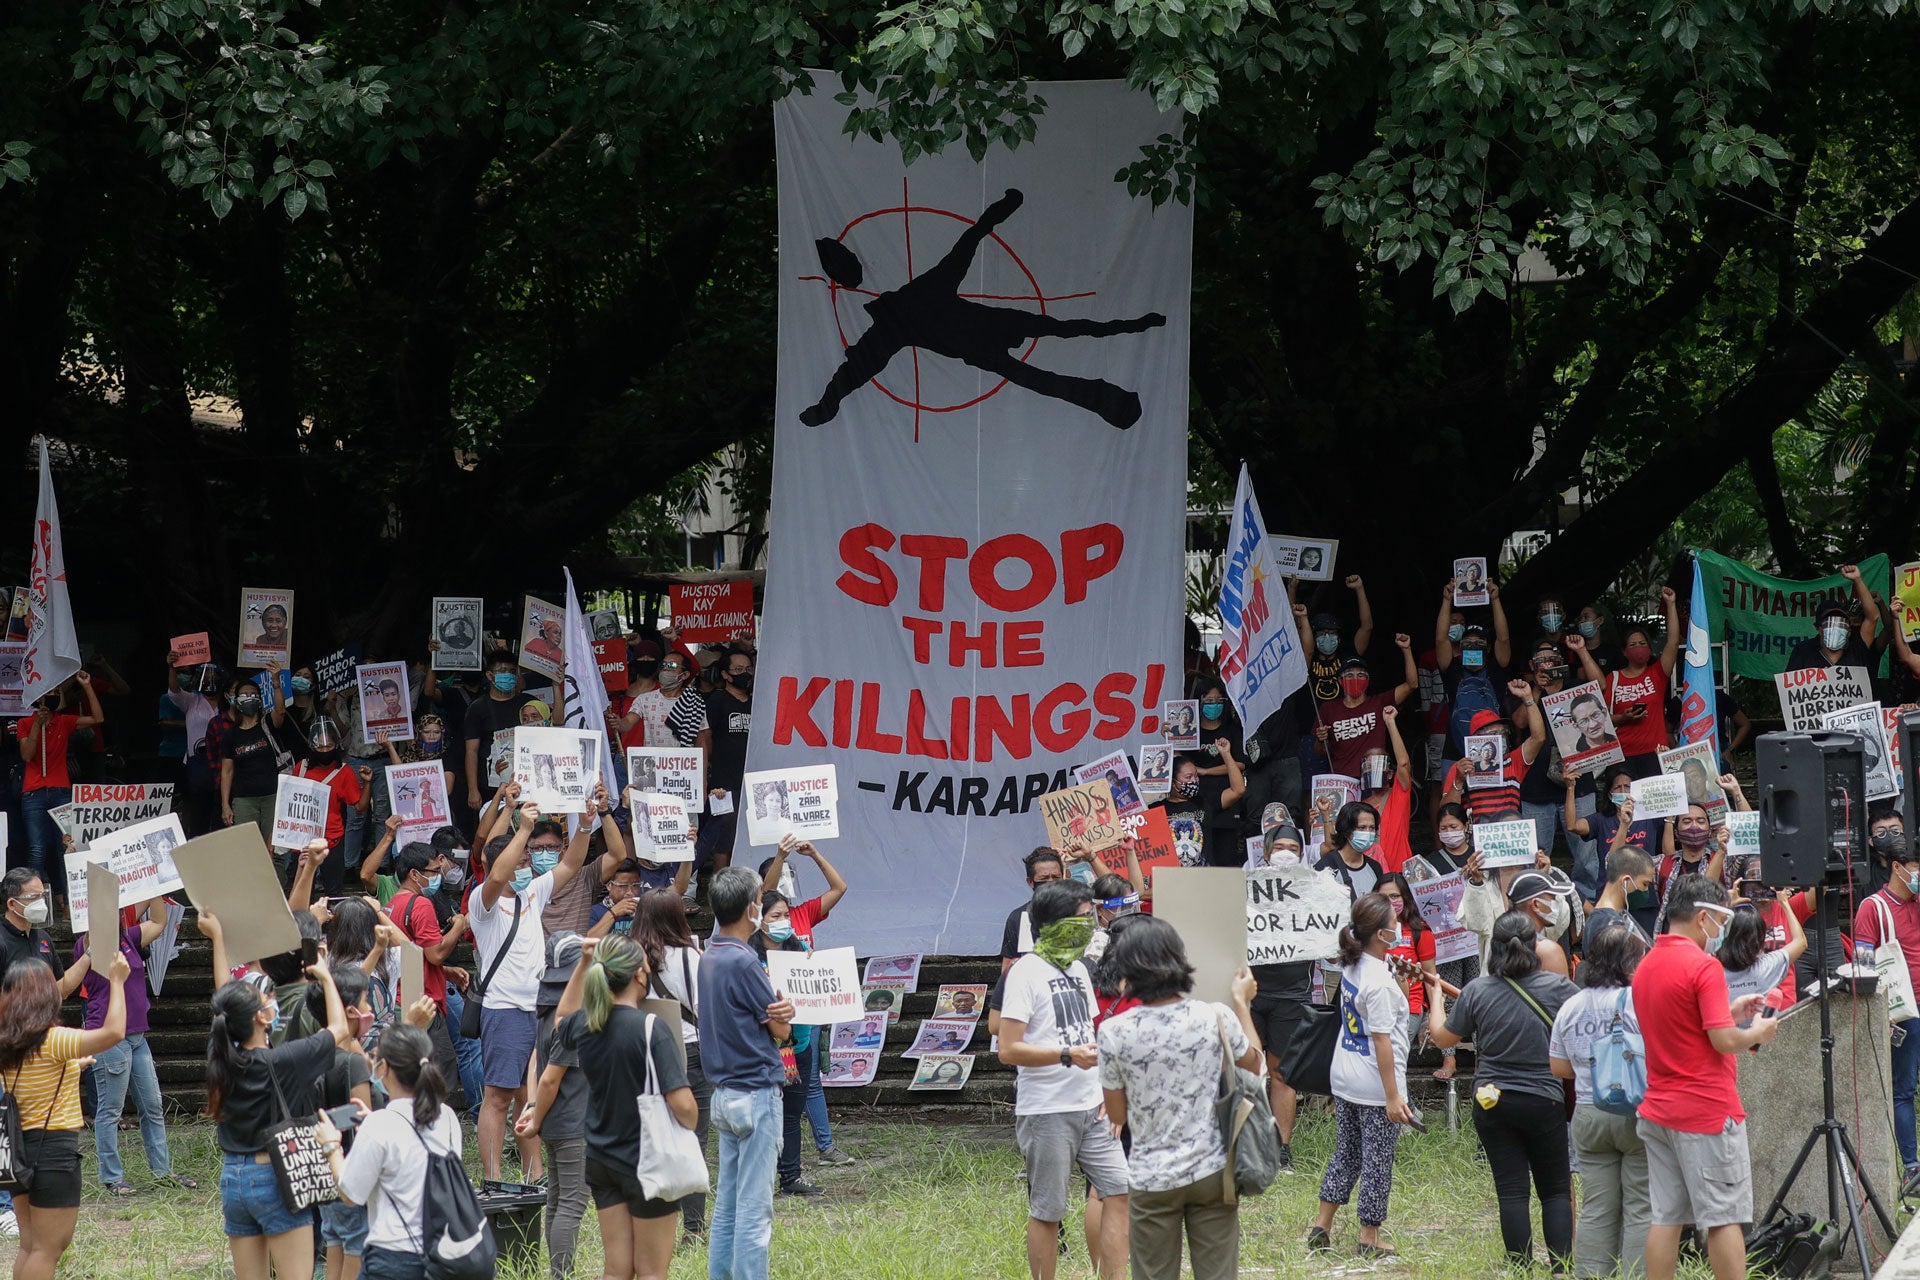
column 1435, row 713
column 719, row 725
column 1690, row 846
column 776, row 933
column 409, row 896
column 1327, row 648
column 1637, row 692
column 1200, row 815
column 23, row 934
column 1543, row 790
column 196, row 694
column 1834, row 642
column 1282, row 993
column 799, row 921
column 349, row 1081
column 1473, row 665
column 1551, row 611
column 571, row 908
column 653, row 685
column 1595, row 628
column 1386, row 783
column 1691, row 1118
column 1356, row 830
column 249, row 771
column 499, row 710
column 1453, row 830
column 1350, row 726
column 1414, row 946
column 1892, row 915
column 1629, row 879
column 43, row 738
column 1501, row 802
column 347, row 792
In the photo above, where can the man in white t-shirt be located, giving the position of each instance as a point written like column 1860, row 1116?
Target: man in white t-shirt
column 507, row 1018
column 1046, row 1031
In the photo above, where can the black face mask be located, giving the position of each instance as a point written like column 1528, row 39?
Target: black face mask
column 648, row 667
column 741, row 680
column 1888, row 840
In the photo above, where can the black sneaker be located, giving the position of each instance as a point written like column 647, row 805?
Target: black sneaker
column 1318, row 1241
column 801, row 1187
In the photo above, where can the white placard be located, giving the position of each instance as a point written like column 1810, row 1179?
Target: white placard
column 1743, row 834
column 457, row 632
column 673, row 771
column 662, row 826
column 1180, row 723
column 1808, row 695
column 418, row 793
column 1508, row 844
column 1868, row 722
column 299, row 811
column 386, row 701
column 1470, row 584
column 804, row 802
column 1294, row 914
column 141, row 858
column 1308, row 559
column 1437, row 897
column 556, row 768
column 823, row 985
column 1583, row 729
column 1664, row 796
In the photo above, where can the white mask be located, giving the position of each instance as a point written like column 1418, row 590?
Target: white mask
column 34, row 912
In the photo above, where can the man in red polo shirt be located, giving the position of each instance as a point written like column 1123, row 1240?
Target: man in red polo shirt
column 1695, row 1130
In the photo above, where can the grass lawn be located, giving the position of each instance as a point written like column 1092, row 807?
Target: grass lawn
column 927, row 1201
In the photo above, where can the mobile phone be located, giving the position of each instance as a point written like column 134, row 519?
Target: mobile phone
column 309, row 952
column 344, row 1117
column 1766, row 1011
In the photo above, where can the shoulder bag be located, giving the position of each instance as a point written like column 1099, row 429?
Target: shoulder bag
column 300, row 1166
column 15, row 1172
column 1890, row 962
column 1566, row 1086
column 470, row 1012
column 1246, row 1127
column 672, row 1163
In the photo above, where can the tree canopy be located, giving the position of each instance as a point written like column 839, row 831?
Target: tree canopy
column 479, row 277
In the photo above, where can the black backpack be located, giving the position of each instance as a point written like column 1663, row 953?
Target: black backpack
column 455, row 1241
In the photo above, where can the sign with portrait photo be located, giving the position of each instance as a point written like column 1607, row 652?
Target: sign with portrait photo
column 457, row 632
column 542, row 639
column 386, row 701
column 663, row 827
column 266, row 628
column 1485, row 764
column 1471, row 585
column 418, row 793
column 1696, row 764
column 942, row 1071
column 674, row 771
column 1180, row 722
column 1156, row 770
column 1582, row 728
column 1115, row 770
column 1308, row 559
column 803, row 802
column 556, row 768
column 1868, row 722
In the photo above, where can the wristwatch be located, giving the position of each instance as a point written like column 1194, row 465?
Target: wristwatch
column 1066, row 1057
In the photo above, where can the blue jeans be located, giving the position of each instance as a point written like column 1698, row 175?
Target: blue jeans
column 44, row 850
column 362, row 829
column 1551, row 818
column 128, row 1065
column 467, row 1051
column 817, row 1101
column 250, row 1200
column 741, row 1231
column 1906, row 1061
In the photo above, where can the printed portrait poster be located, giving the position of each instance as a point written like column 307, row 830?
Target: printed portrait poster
column 867, row 1032
column 676, row 771
column 542, row 642
column 1808, row 695
column 1156, row 770
column 300, row 811
column 1890, row 726
column 1870, row 724
column 418, row 793
column 972, row 588
column 1437, row 897
column 823, row 985
column 457, row 631
column 903, row 966
column 266, row 628
column 713, row 612
column 1114, row 769
column 960, row 1000
column 1181, row 723
column 1582, row 727
column 803, row 802
column 1471, row 586
column 849, row 1067
column 603, row 624
column 556, row 768
column 942, row 1035
column 1510, row 844
column 500, row 757
column 1697, row 765
column 13, row 688
column 141, row 858
column 386, row 701
column 662, row 828
column 1085, row 814
column 1308, row 559
column 1485, row 764
column 1330, row 791
column 938, row 1071
column 884, row 995
column 1664, row 796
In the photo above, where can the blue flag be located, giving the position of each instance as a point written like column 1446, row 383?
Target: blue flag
column 1699, row 717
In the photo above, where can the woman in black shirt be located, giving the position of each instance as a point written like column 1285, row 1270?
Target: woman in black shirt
column 249, row 763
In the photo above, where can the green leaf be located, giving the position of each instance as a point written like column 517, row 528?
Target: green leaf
column 295, row 203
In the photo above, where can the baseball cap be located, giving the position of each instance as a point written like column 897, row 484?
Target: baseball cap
column 1324, row 622
column 643, row 648
column 563, row 953
column 1482, row 721
column 1354, row 664
column 1531, row 884
column 1831, row 609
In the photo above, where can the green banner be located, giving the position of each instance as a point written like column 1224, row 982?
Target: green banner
column 1762, row 617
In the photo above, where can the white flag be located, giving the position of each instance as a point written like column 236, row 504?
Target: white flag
column 1260, row 657
column 583, row 702
column 53, row 650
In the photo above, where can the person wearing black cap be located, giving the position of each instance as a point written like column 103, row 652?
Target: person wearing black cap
column 1833, row 643
column 1281, row 995
column 563, row 1131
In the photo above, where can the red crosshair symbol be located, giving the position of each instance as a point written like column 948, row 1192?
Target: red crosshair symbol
column 906, row 209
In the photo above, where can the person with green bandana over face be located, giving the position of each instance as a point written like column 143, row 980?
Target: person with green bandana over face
column 1047, row 1033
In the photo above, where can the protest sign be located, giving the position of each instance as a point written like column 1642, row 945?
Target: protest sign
column 884, row 995
column 1156, row 770
column 1180, row 722
column 1293, row 914
column 13, row 684
column 1256, row 852
column 942, row 1035
column 62, row 815
column 1470, row 583
column 17, row 621
column 1582, row 728
column 942, row 1071
column 1156, row 845
column 386, row 701
column 960, row 1000
column 603, row 624
column 1118, row 774
column 822, row 985
column 299, row 811
column 166, row 948
column 1437, row 897
column 673, row 771
column 1330, row 791
column 457, row 629
column 846, row 1068
column 611, row 657
column 418, row 794
column 1085, row 813
column 1869, row 722
column 1761, row 618
column 230, row 873
column 905, row 966
column 555, row 768
column 500, row 757
column 542, row 639
column 1905, row 601
column 141, row 858
column 1208, row 905
column 1308, row 559
column 663, row 828
column 803, row 801
column 869, row 1031
column 266, row 628
column 333, row 672
column 1743, row 834
column 1696, row 764
column 713, row 612
column 103, row 904
column 1510, row 844
column 1809, row 694
column 191, row 650
column 102, row 807
column 1485, row 764
column 1664, row 796
column 1890, row 726
column 81, row 872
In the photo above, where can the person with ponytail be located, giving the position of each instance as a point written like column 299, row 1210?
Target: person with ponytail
column 1369, row 1077
column 621, row 1051
column 387, row 1169
column 251, row 1086
column 40, row 1065
column 1521, row 1115
column 673, row 968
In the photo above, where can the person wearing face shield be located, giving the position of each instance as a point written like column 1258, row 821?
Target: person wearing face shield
column 1386, row 783
column 249, row 767
column 347, row 791
column 1891, row 917
column 1834, row 643
column 1473, row 661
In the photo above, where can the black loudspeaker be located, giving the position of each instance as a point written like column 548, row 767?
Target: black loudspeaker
column 1906, row 753
column 1813, row 808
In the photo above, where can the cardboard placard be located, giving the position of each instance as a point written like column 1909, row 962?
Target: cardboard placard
column 231, row 874
column 611, row 657
column 103, row 904
column 1180, row 722
column 413, row 973
column 1208, row 905
column 713, row 612
column 333, row 672
column 542, row 632
column 386, row 701
column 1583, row 728
column 1664, row 796
column 662, row 828
column 1117, row 772
column 191, row 650
column 673, row 771
column 458, row 632
column 1809, row 695
column 1508, row 844
column 803, row 801
column 822, row 985
column 266, row 628
column 1471, row 585
column 1308, row 559
column 1085, row 813
column 299, row 811
column 1293, row 914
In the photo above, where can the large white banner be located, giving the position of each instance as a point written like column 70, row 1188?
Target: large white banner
column 979, row 495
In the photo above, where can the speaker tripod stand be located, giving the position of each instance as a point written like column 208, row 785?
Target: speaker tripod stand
column 1845, row 1175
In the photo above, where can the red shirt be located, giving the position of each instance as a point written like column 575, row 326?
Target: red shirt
column 343, row 785
column 1419, row 949
column 1680, row 994
column 622, row 704
column 1649, row 690
column 1774, row 915
column 420, row 924
column 1392, row 850
column 1490, row 804
column 47, row 766
column 1354, row 731
column 1906, row 924
column 1105, row 1007
column 806, row 916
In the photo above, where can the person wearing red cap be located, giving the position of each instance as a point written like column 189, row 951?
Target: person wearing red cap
column 1501, row 802
column 1833, row 642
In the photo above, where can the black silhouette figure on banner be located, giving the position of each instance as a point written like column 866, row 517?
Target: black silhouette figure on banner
column 927, row 312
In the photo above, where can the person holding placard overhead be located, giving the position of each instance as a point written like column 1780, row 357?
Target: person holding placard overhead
column 776, row 933
column 1637, row 692
column 1690, row 845
column 1501, row 802
column 1833, row 642
column 43, row 736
